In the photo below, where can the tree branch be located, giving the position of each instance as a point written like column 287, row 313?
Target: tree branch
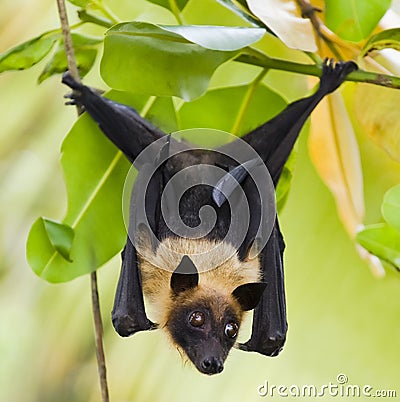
column 256, row 58
column 98, row 326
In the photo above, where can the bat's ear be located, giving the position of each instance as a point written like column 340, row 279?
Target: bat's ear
column 249, row 294
column 185, row 276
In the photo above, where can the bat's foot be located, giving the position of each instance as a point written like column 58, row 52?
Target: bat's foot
column 334, row 73
column 72, row 100
column 69, row 80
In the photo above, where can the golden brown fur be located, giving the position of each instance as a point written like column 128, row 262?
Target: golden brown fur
column 220, row 272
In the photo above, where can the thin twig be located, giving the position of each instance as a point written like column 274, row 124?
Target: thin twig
column 98, row 326
column 68, row 45
column 310, row 11
column 69, row 48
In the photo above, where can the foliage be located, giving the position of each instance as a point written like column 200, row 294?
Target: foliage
column 337, row 310
column 383, row 239
column 179, row 61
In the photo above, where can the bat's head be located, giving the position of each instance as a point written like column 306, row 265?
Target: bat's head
column 204, row 321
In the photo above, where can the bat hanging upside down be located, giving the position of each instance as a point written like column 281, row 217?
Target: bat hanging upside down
column 201, row 269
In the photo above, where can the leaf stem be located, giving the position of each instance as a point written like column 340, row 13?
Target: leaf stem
column 150, row 102
column 106, row 11
column 175, row 10
column 94, row 19
column 257, row 58
column 246, row 102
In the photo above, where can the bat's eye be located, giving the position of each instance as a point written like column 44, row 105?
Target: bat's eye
column 196, row 319
column 231, row 329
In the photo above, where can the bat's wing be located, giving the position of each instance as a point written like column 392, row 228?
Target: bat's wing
column 122, row 124
column 132, row 134
column 269, row 318
column 274, row 141
column 129, row 315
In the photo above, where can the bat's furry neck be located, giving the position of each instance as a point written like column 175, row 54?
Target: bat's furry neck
column 220, row 270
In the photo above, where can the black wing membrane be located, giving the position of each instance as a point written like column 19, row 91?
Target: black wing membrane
column 131, row 134
column 274, row 141
column 129, row 315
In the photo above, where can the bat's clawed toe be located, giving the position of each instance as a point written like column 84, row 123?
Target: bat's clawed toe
column 72, row 101
column 334, row 73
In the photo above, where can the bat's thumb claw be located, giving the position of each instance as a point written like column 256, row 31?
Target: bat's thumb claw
column 69, row 80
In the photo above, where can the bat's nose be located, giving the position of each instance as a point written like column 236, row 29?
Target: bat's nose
column 212, row 365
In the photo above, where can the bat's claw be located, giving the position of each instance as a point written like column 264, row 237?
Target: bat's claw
column 71, row 101
column 334, row 73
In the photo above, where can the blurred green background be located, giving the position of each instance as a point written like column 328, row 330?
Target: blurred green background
column 341, row 318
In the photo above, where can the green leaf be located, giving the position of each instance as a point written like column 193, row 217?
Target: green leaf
column 60, row 236
column 95, row 172
column 354, row 20
column 80, row 3
column 29, row 53
column 391, row 207
column 85, row 49
column 220, row 108
column 383, row 40
column 52, row 238
column 180, row 4
column 146, row 58
column 218, row 38
column 383, row 241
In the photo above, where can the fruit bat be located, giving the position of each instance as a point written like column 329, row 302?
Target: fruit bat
column 201, row 280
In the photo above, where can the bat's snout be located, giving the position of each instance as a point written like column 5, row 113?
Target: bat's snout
column 211, row 365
